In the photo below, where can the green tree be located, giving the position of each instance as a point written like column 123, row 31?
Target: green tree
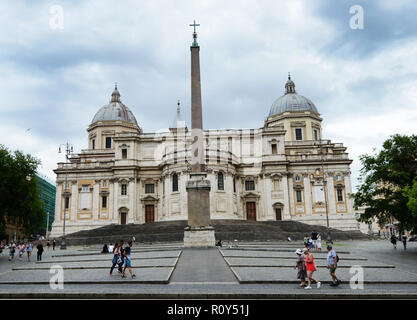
column 385, row 177
column 20, row 203
column 411, row 194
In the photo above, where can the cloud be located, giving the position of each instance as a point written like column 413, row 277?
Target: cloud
column 363, row 82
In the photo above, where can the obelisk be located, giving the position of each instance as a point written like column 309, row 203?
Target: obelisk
column 199, row 232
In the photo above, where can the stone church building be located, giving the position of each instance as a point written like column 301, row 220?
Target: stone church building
column 266, row 174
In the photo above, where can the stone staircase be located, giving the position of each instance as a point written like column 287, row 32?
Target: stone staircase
column 241, row 230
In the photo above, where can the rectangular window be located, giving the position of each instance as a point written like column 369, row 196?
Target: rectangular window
column 104, row 202
column 339, row 195
column 234, row 184
column 108, row 142
column 276, row 185
column 85, row 188
column 316, row 136
column 250, row 185
column 124, row 189
column 93, row 143
column 124, row 153
column 299, row 196
column 66, row 204
column 298, row 134
column 274, row 148
column 149, row 188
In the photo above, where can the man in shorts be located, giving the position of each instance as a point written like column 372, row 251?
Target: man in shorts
column 332, row 265
column 128, row 260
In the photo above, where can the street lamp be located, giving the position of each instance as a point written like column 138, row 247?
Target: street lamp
column 329, row 237
column 68, row 150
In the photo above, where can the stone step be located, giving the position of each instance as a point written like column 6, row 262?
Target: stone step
column 173, row 231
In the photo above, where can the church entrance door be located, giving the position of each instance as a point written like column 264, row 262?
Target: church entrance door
column 251, row 211
column 123, row 216
column 278, row 214
column 149, row 213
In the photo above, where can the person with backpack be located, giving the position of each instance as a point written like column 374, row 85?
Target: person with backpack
column 394, row 241
column 332, row 260
column 404, row 240
column 29, row 249
column 310, row 268
column 12, row 250
column 40, row 251
column 128, row 260
column 21, row 249
column 301, row 266
column 117, row 260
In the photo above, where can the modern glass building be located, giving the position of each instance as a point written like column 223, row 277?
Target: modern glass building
column 47, row 195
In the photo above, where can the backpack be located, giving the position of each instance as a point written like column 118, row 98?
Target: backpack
column 337, row 258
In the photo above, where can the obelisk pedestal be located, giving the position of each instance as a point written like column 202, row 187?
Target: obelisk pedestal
column 199, row 232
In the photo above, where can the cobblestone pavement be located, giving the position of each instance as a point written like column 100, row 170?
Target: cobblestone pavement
column 253, row 270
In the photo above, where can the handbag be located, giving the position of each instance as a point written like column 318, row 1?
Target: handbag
column 119, row 261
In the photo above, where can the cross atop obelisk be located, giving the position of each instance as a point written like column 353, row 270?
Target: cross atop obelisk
column 195, row 44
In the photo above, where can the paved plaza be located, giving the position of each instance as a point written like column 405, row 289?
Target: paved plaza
column 239, row 270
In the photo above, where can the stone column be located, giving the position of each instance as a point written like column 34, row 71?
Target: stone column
column 131, row 194
column 291, row 197
column 116, row 201
column 348, row 189
column 111, row 201
column 58, row 202
column 330, row 197
column 286, row 211
column 74, row 202
column 307, row 194
column 96, row 201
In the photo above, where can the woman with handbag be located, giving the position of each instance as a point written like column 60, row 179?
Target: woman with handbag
column 117, row 260
column 310, row 269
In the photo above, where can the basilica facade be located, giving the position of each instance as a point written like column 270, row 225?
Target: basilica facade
column 282, row 171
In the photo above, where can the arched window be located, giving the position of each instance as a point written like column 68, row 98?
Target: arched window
column 174, row 182
column 220, row 181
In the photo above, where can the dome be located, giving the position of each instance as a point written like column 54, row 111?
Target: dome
column 114, row 111
column 291, row 101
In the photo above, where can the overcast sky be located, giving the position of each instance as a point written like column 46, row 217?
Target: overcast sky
column 363, row 82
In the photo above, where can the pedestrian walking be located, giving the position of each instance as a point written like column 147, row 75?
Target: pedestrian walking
column 404, row 239
column 306, row 242
column 117, row 259
column 48, row 244
column 310, row 269
column 394, row 241
column 319, row 242
column 21, row 249
column 29, row 249
column 111, row 248
column 12, row 250
column 53, row 244
column 301, row 266
column 332, row 260
column 314, row 235
column 128, row 260
column 40, row 251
